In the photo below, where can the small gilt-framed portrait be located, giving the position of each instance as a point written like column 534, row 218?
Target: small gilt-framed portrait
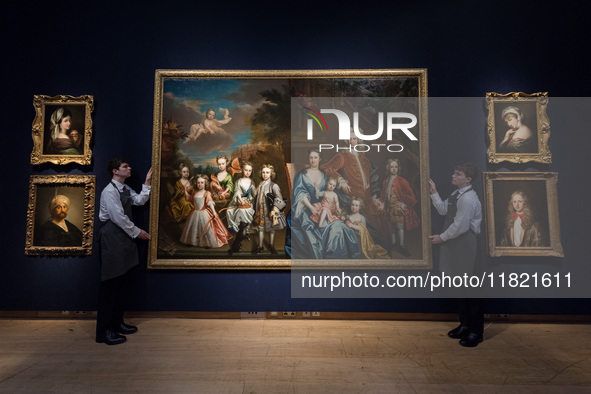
column 522, row 214
column 60, row 215
column 518, row 127
column 62, row 129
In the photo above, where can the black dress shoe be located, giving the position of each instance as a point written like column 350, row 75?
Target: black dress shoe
column 471, row 340
column 404, row 252
column 236, row 247
column 270, row 248
column 111, row 338
column 400, row 250
column 257, row 250
column 125, row 329
column 459, row 332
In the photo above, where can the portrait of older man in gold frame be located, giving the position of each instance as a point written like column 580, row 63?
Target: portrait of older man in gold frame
column 60, row 214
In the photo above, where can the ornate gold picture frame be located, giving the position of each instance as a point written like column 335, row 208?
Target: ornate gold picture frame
column 249, row 112
column 62, row 129
column 60, row 216
column 522, row 214
column 518, row 127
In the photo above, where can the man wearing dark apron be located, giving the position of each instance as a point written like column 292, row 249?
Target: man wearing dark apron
column 118, row 251
column 463, row 215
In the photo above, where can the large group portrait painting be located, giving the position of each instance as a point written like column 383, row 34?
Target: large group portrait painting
column 231, row 192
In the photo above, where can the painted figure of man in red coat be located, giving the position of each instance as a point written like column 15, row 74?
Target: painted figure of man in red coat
column 398, row 200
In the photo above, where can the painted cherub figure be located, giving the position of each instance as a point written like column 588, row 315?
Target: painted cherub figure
column 328, row 209
column 209, row 125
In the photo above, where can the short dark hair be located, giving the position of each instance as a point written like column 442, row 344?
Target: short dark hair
column 115, row 163
column 469, row 169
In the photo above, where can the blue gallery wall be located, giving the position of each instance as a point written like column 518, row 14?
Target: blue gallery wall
column 112, row 49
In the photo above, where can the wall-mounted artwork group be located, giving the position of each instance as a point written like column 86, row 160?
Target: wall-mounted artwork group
column 229, row 192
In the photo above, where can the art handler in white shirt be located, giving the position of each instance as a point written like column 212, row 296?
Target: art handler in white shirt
column 118, row 251
column 463, row 216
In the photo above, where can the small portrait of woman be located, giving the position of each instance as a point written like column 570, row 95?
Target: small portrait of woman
column 518, row 127
column 518, row 137
column 64, row 131
column 63, row 138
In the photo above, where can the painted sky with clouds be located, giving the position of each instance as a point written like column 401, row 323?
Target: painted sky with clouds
column 187, row 100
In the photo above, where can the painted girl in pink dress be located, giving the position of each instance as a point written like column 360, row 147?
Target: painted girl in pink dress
column 203, row 226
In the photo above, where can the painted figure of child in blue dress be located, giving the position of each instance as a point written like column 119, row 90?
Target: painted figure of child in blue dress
column 241, row 210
